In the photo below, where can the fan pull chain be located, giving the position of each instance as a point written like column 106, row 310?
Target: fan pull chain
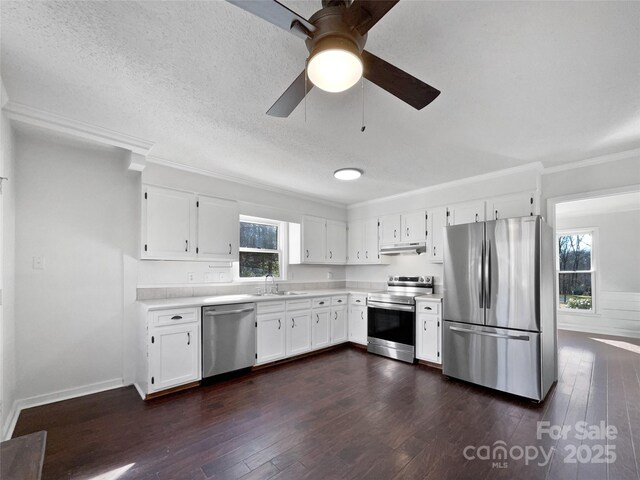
column 363, row 125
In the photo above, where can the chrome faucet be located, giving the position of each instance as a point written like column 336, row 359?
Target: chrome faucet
column 274, row 285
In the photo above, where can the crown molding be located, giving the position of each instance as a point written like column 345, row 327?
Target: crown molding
column 242, row 181
column 612, row 157
column 535, row 167
column 19, row 112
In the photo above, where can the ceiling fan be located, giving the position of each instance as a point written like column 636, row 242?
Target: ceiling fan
column 335, row 37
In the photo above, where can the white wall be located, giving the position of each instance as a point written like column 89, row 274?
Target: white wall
column 76, row 207
column 252, row 201
column 618, row 273
column 7, row 277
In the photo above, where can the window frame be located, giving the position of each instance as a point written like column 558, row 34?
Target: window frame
column 281, row 251
column 593, row 270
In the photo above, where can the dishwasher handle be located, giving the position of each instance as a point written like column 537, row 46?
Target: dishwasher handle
column 227, row 312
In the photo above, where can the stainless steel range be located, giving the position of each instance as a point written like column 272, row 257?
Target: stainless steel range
column 391, row 325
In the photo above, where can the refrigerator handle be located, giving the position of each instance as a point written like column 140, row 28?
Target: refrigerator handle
column 480, row 280
column 487, row 275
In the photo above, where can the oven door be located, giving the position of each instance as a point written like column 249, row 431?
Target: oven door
column 391, row 323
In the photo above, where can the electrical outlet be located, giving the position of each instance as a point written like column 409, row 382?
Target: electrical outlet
column 38, row 263
column 329, row 275
column 191, row 277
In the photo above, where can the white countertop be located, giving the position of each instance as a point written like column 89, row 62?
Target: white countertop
column 185, row 302
column 436, row 297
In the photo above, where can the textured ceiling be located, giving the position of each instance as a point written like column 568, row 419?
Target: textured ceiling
column 624, row 202
column 520, row 82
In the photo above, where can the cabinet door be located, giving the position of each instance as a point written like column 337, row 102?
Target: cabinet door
column 270, row 337
column 467, row 213
column 371, row 244
column 338, row 325
column 358, row 324
column 428, row 328
column 414, row 227
column 218, row 229
column 390, row 229
column 314, row 236
column 174, row 356
column 169, row 224
column 336, row 242
column 437, row 222
column 521, row 205
column 356, row 242
column 320, row 328
column 298, row 332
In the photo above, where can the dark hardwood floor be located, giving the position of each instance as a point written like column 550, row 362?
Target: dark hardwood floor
column 348, row 414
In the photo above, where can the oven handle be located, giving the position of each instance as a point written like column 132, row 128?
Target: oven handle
column 387, row 306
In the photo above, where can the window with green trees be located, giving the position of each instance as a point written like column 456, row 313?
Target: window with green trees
column 576, row 271
column 260, row 252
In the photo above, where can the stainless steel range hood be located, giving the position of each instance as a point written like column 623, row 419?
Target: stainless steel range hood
column 416, row 248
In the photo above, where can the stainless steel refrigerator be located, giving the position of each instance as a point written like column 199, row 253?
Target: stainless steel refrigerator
column 499, row 313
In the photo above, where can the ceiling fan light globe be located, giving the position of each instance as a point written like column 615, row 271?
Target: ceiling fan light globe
column 334, row 69
column 348, row 173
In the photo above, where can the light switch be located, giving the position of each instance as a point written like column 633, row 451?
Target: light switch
column 191, row 277
column 38, row 263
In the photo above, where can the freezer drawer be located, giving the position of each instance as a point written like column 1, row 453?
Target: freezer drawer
column 506, row 360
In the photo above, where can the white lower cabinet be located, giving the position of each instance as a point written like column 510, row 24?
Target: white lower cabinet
column 168, row 350
column 320, row 328
column 270, row 337
column 298, row 332
column 338, row 324
column 429, row 330
column 358, row 324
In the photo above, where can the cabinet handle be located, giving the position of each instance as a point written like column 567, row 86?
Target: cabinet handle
column 279, row 324
column 394, row 233
column 407, row 231
column 357, row 301
column 317, row 318
column 358, row 255
column 293, row 323
column 496, row 214
column 428, row 308
column 188, row 338
column 307, row 253
column 362, row 315
column 366, row 254
column 176, row 317
column 339, row 301
column 330, row 254
column 229, row 249
column 335, row 315
column 186, row 245
column 425, row 325
column 321, row 303
column 476, row 217
column 434, row 251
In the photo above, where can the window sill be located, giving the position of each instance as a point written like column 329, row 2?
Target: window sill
column 578, row 312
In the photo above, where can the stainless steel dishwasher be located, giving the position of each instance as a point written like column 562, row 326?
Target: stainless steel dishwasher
column 228, row 338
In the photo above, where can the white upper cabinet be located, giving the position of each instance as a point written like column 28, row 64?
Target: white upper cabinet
column 356, row 242
column 437, row 220
column 169, row 223
column 414, row 227
column 218, row 229
column 336, row 242
column 468, row 212
column 518, row 205
column 371, row 243
column 390, row 226
column 180, row 225
column 314, row 239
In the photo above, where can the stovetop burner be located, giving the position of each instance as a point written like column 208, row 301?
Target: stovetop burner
column 403, row 290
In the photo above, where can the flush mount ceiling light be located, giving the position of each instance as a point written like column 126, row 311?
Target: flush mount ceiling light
column 348, row 173
column 334, row 65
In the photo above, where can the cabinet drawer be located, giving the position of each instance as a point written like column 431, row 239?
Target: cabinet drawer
column 358, row 300
column 339, row 300
column 269, row 307
column 174, row 317
column 431, row 308
column 303, row 303
column 321, row 302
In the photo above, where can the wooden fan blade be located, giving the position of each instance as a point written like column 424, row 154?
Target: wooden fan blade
column 292, row 96
column 364, row 14
column 398, row 82
column 274, row 12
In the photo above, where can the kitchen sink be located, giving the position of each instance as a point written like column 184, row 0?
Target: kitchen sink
column 281, row 294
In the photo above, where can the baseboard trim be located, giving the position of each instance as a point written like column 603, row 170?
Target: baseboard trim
column 12, row 419
column 60, row 395
column 616, row 332
column 142, row 395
